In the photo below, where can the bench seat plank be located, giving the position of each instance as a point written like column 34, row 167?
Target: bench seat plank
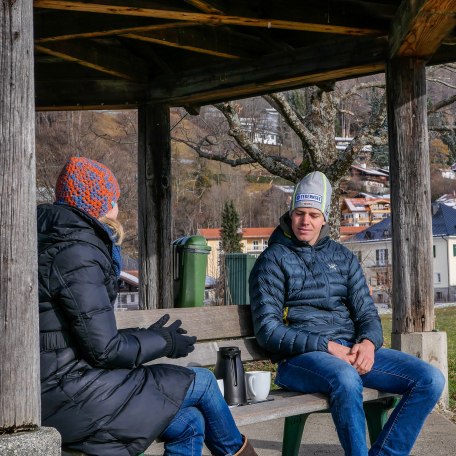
column 287, row 403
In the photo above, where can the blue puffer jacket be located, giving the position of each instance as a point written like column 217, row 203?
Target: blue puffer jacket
column 303, row 296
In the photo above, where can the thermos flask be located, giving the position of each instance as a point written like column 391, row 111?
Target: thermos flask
column 229, row 368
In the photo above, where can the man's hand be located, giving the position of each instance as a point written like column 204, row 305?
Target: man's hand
column 364, row 355
column 341, row 352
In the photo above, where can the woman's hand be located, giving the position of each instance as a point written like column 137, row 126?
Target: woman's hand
column 364, row 354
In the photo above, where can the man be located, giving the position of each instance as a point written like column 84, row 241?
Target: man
column 312, row 311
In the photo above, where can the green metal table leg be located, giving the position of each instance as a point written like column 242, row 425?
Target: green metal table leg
column 292, row 434
column 377, row 415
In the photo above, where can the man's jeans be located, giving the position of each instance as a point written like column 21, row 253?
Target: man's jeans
column 419, row 383
column 203, row 417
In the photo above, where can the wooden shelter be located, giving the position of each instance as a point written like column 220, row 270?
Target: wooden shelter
column 151, row 55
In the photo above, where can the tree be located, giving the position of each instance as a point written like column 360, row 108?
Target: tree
column 231, row 229
column 311, row 115
column 314, row 115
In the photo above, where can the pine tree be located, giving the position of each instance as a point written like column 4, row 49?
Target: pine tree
column 230, row 232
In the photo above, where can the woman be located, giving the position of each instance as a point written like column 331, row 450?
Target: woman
column 312, row 311
column 95, row 389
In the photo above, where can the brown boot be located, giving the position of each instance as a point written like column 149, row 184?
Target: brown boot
column 246, row 449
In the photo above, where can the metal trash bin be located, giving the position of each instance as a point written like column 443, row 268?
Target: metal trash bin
column 237, row 269
column 189, row 270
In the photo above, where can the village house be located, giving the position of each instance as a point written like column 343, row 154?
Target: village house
column 364, row 211
column 264, row 128
column 253, row 242
column 372, row 246
column 128, row 292
column 370, row 180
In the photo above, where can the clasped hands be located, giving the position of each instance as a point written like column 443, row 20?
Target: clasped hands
column 361, row 356
column 179, row 345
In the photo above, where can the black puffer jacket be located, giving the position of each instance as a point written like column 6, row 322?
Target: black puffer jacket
column 95, row 390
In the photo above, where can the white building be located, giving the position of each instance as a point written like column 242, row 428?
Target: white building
column 373, row 249
column 264, row 128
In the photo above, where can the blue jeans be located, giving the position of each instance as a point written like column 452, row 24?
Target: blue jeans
column 419, row 383
column 204, row 417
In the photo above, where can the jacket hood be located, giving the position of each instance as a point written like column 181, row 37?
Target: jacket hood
column 63, row 223
column 283, row 234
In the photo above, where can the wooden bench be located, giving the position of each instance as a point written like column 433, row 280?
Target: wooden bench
column 231, row 326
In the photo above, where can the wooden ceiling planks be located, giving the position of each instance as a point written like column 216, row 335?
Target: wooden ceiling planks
column 202, row 51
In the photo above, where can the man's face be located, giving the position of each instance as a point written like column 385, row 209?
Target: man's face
column 306, row 224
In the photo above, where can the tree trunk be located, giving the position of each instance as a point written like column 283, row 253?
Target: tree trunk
column 154, row 207
column 413, row 292
column 19, row 354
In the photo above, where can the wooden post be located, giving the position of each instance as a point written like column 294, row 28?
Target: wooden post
column 154, row 207
column 19, row 353
column 413, row 291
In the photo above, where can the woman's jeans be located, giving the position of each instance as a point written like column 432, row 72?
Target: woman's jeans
column 203, row 417
column 419, row 383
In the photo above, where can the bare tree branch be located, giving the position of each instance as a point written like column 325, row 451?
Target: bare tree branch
column 441, row 81
column 210, row 155
column 266, row 161
column 362, row 86
column 307, row 138
column 444, row 128
column 441, row 104
column 367, row 135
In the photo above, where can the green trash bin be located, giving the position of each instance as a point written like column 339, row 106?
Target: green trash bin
column 189, row 270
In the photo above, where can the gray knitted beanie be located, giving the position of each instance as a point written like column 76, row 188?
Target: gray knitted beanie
column 313, row 190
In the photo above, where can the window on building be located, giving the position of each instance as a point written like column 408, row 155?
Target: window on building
column 454, row 249
column 438, row 277
column 381, row 257
column 265, row 244
column 256, row 245
column 433, row 250
column 439, row 296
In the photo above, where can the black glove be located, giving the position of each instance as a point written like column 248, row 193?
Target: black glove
column 160, row 322
column 178, row 345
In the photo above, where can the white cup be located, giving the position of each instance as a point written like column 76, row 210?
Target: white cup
column 258, row 384
column 221, row 385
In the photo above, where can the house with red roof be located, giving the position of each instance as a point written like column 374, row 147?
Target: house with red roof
column 254, row 241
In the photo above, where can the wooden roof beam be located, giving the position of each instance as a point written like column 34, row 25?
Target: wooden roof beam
column 96, row 33
column 420, row 26
column 116, row 63
column 335, row 61
column 212, row 6
column 157, row 10
column 206, row 40
column 89, row 94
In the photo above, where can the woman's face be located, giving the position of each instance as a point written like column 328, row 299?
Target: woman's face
column 113, row 213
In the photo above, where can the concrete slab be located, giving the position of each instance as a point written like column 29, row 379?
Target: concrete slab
column 438, row 438
column 43, row 441
column 430, row 346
